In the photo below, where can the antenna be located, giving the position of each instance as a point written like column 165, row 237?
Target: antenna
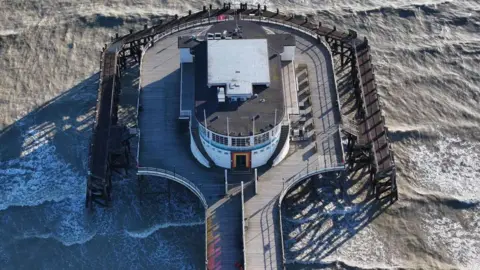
column 236, row 18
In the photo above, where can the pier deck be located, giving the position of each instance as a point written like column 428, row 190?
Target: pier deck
column 263, row 243
column 163, row 146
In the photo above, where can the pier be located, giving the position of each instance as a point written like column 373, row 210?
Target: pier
column 242, row 226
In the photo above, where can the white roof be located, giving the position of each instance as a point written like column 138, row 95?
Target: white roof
column 241, row 62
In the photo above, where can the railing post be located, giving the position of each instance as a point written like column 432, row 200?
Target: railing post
column 226, row 182
column 256, row 178
column 243, row 229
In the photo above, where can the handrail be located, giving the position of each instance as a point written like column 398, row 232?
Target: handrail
column 243, row 230
column 174, row 177
column 303, row 175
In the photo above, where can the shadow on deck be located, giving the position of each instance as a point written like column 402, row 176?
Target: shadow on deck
column 320, row 214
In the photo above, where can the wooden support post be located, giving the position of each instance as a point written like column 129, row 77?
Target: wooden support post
column 189, row 12
column 264, row 8
column 226, row 182
column 204, row 8
column 210, row 7
column 277, row 11
column 341, row 55
column 256, row 179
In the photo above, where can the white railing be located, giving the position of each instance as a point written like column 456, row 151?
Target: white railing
column 304, row 174
column 174, row 177
column 289, row 183
column 243, row 230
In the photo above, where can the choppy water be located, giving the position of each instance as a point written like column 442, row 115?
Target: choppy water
column 427, row 56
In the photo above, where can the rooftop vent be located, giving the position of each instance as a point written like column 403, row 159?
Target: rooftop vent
column 221, row 94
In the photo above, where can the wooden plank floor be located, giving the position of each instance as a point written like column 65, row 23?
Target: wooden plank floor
column 163, row 146
column 263, row 246
column 290, row 87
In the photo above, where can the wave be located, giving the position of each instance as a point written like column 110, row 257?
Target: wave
column 38, row 177
column 455, row 202
column 149, row 231
column 57, row 238
column 338, row 264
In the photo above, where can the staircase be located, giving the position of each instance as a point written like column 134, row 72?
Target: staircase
column 198, row 142
column 284, row 132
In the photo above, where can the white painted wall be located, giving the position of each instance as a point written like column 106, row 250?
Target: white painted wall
column 261, row 156
column 288, row 53
column 185, row 55
column 217, row 155
column 197, row 154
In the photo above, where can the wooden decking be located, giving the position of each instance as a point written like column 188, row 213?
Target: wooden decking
column 373, row 128
column 263, row 244
column 163, row 146
column 290, row 87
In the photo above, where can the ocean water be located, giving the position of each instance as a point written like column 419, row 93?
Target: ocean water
column 426, row 54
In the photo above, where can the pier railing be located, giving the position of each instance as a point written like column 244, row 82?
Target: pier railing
column 175, row 25
column 305, row 173
column 174, row 177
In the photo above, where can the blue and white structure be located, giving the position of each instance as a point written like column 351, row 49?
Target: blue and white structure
column 239, row 99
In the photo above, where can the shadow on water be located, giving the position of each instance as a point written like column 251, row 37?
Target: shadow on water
column 43, row 171
column 64, row 122
column 322, row 213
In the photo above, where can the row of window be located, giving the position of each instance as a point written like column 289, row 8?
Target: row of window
column 259, row 139
column 219, row 139
column 240, row 141
column 262, row 138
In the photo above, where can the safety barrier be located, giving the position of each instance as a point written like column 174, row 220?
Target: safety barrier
column 174, row 177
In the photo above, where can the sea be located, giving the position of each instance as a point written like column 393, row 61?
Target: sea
column 427, row 59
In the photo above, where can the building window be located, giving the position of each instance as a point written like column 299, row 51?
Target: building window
column 262, row 138
column 219, row 139
column 240, row 141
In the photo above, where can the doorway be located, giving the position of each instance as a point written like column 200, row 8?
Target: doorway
column 241, row 161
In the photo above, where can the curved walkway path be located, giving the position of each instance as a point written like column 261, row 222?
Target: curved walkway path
column 162, row 145
column 263, row 239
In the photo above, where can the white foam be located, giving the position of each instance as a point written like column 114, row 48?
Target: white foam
column 458, row 239
column 38, row 176
column 149, row 231
column 451, row 167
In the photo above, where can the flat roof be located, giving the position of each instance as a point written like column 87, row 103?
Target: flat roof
column 240, row 113
column 240, row 62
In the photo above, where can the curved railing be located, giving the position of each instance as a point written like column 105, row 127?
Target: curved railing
column 174, row 177
column 304, row 175
column 301, row 176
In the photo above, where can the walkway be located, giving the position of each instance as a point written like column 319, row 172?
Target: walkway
column 163, row 146
column 263, row 244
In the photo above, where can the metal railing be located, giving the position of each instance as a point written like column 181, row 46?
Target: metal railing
column 305, row 173
column 244, row 248
column 174, row 177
